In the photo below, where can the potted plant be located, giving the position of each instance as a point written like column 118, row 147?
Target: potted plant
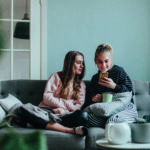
column 140, row 130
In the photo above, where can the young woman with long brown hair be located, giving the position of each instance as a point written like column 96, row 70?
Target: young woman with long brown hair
column 64, row 96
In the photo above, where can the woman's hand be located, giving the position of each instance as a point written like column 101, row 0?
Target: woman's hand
column 108, row 82
column 97, row 98
column 59, row 111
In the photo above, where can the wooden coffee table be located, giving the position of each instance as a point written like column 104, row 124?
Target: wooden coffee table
column 103, row 143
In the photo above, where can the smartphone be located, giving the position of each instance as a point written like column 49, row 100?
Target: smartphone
column 102, row 75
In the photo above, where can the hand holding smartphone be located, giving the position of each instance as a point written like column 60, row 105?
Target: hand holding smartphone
column 102, row 75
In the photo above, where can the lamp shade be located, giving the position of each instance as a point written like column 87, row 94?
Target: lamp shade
column 22, row 29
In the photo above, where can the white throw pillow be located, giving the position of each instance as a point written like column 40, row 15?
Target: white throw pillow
column 8, row 102
column 2, row 113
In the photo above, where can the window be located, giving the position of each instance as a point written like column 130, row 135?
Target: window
column 23, row 58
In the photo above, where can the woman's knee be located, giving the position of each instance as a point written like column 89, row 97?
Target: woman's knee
column 84, row 115
column 83, row 118
column 81, row 114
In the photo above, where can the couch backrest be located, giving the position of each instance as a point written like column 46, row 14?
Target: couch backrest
column 31, row 91
column 142, row 96
column 28, row 91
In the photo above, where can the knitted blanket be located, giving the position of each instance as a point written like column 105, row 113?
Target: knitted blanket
column 120, row 100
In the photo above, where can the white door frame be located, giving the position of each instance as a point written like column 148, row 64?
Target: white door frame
column 39, row 43
column 43, row 39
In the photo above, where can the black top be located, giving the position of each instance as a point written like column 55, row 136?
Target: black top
column 118, row 75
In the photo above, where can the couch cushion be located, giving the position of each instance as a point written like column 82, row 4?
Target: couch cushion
column 55, row 140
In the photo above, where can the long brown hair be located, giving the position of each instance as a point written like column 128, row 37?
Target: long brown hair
column 67, row 74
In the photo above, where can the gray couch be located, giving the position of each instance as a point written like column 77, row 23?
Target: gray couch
column 31, row 91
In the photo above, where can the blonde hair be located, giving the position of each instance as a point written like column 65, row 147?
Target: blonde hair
column 102, row 49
